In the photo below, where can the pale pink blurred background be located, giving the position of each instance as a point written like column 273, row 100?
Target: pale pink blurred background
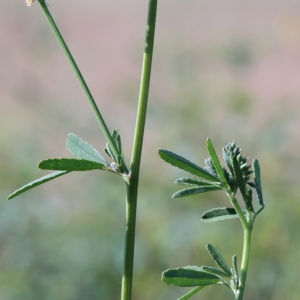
column 225, row 69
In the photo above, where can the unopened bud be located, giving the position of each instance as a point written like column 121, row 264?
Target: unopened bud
column 29, row 2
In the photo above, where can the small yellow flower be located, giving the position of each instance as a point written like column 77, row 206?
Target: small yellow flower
column 29, row 2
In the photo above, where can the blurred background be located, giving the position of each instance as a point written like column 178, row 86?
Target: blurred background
column 225, row 69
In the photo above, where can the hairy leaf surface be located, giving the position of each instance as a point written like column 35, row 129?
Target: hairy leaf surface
column 215, row 271
column 192, row 182
column 218, row 258
column 197, row 190
column 213, row 155
column 184, row 164
column 70, row 164
column 189, row 276
column 83, row 150
column 36, row 182
column 257, row 181
column 219, row 214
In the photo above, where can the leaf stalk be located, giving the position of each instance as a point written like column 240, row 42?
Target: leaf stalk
column 81, row 81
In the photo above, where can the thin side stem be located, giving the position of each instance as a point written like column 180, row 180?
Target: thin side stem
column 191, row 293
column 132, row 187
column 81, row 81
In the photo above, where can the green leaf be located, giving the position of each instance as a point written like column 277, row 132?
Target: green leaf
column 215, row 160
column 117, row 141
column 189, row 276
column 239, row 177
column 192, row 182
column 235, row 266
column 257, row 181
column 119, row 145
column 191, row 293
column 35, row 183
column 215, row 271
column 219, row 214
column 83, row 150
column 197, row 190
column 184, row 164
column 218, row 258
column 114, row 136
column 108, row 151
column 70, row 164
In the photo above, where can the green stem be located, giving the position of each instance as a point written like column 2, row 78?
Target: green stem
column 191, row 293
column 82, row 82
column 245, row 262
column 247, row 227
column 132, row 188
column 239, row 211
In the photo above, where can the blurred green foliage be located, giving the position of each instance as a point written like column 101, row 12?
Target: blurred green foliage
column 64, row 240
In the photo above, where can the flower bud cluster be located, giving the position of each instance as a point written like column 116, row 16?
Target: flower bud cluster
column 230, row 150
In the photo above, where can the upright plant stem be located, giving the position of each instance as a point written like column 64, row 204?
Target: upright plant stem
column 132, row 187
column 247, row 228
column 239, row 211
column 81, row 80
column 245, row 261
